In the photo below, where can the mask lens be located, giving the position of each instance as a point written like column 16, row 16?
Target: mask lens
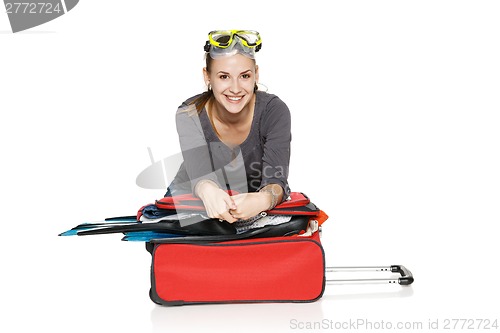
column 251, row 37
column 222, row 38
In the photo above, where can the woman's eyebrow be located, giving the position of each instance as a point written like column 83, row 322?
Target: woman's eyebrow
column 227, row 73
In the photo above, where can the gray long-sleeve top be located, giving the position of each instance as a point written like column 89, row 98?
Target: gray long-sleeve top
column 262, row 159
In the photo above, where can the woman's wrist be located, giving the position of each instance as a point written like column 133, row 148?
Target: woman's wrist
column 274, row 193
column 202, row 185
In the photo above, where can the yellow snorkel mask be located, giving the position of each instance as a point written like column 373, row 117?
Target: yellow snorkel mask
column 229, row 42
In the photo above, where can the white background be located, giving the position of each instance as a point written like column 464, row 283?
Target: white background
column 395, row 109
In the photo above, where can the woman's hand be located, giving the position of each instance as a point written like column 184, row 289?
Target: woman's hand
column 250, row 204
column 217, row 202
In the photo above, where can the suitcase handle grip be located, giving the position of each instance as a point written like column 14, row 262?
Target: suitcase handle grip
column 406, row 276
column 405, row 279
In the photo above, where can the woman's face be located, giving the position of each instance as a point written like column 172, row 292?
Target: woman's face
column 233, row 80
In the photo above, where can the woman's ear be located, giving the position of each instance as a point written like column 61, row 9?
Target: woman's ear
column 206, row 76
column 256, row 73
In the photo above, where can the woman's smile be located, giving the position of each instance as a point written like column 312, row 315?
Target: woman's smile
column 234, row 99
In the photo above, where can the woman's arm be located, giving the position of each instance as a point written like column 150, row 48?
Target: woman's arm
column 276, row 136
column 194, row 147
column 198, row 163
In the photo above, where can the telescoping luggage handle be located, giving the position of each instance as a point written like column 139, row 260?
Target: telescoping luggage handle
column 405, row 279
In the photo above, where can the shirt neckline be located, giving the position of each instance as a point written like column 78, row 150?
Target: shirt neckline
column 215, row 138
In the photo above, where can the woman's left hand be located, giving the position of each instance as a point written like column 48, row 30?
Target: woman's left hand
column 249, row 204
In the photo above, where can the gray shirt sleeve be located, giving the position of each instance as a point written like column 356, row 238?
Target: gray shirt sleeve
column 276, row 137
column 195, row 151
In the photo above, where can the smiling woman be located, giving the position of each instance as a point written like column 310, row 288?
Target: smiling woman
column 231, row 133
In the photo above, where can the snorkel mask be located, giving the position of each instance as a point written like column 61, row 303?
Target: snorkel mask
column 230, row 42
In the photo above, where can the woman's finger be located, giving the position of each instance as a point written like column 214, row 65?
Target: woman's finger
column 230, row 203
column 227, row 217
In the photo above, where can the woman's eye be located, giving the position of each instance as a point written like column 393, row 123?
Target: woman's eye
column 245, row 76
column 223, row 77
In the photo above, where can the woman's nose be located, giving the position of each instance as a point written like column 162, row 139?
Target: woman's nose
column 235, row 87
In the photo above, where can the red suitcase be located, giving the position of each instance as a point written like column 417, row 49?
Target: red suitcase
column 273, row 269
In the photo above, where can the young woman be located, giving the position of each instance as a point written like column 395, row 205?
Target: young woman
column 232, row 136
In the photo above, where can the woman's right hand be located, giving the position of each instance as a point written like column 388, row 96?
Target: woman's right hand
column 217, row 202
